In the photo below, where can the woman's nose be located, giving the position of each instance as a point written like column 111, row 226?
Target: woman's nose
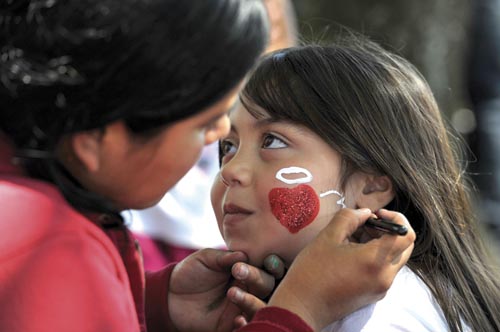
column 219, row 130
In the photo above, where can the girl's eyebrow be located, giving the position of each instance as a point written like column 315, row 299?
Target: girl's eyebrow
column 266, row 121
column 257, row 124
column 282, row 123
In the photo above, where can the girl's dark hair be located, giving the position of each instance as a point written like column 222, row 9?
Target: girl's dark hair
column 74, row 65
column 377, row 111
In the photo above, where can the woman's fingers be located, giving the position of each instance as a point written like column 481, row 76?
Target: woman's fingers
column 239, row 322
column 257, row 281
column 398, row 248
column 346, row 223
column 394, row 216
column 275, row 266
column 253, row 284
column 249, row 304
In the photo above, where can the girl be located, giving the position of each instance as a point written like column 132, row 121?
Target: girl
column 352, row 125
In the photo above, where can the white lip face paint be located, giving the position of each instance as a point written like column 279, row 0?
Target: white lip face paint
column 340, row 201
column 294, row 170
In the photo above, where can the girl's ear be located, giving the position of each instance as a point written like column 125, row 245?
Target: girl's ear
column 85, row 148
column 376, row 192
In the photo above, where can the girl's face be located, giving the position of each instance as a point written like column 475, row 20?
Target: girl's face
column 277, row 188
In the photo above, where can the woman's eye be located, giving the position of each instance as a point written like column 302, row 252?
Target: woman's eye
column 272, row 142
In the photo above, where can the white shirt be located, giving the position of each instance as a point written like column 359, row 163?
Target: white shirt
column 408, row 306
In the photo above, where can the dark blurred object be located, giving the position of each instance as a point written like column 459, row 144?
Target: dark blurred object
column 432, row 34
column 484, row 87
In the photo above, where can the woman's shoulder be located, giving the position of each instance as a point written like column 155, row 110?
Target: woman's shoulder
column 34, row 213
column 54, row 260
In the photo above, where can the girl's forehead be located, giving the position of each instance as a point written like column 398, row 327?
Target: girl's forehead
column 257, row 111
column 242, row 116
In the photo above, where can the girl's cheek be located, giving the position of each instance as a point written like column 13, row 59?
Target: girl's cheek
column 295, row 208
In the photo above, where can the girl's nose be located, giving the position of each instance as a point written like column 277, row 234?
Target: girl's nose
column 237, row 171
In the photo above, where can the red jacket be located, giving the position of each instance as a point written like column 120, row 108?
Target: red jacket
column 61, row 271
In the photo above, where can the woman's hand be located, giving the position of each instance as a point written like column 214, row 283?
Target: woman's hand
column 199, row 284
column 334, row 276
column 246, row 299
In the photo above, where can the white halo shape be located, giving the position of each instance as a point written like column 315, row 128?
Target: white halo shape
column 294, row 170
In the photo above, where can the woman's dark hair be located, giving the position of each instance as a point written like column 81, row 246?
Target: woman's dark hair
column 75, row 65
column 377, row 111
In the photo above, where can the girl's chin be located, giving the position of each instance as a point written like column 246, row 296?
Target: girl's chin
column 254, row 258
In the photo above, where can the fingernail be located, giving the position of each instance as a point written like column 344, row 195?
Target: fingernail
column 273, row 263
column 237, row 295
column 241, row 272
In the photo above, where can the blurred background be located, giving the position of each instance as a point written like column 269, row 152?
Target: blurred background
column 432, row 34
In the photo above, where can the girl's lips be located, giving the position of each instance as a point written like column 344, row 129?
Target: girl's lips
column 230, row 208
column 234, row 214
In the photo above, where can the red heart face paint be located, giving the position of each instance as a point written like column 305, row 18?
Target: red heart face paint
column 295, row 208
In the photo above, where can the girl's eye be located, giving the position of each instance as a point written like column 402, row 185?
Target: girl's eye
column 272, row 142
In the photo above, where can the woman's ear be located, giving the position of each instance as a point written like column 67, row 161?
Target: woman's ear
column 376, row 192
column 85, row 149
